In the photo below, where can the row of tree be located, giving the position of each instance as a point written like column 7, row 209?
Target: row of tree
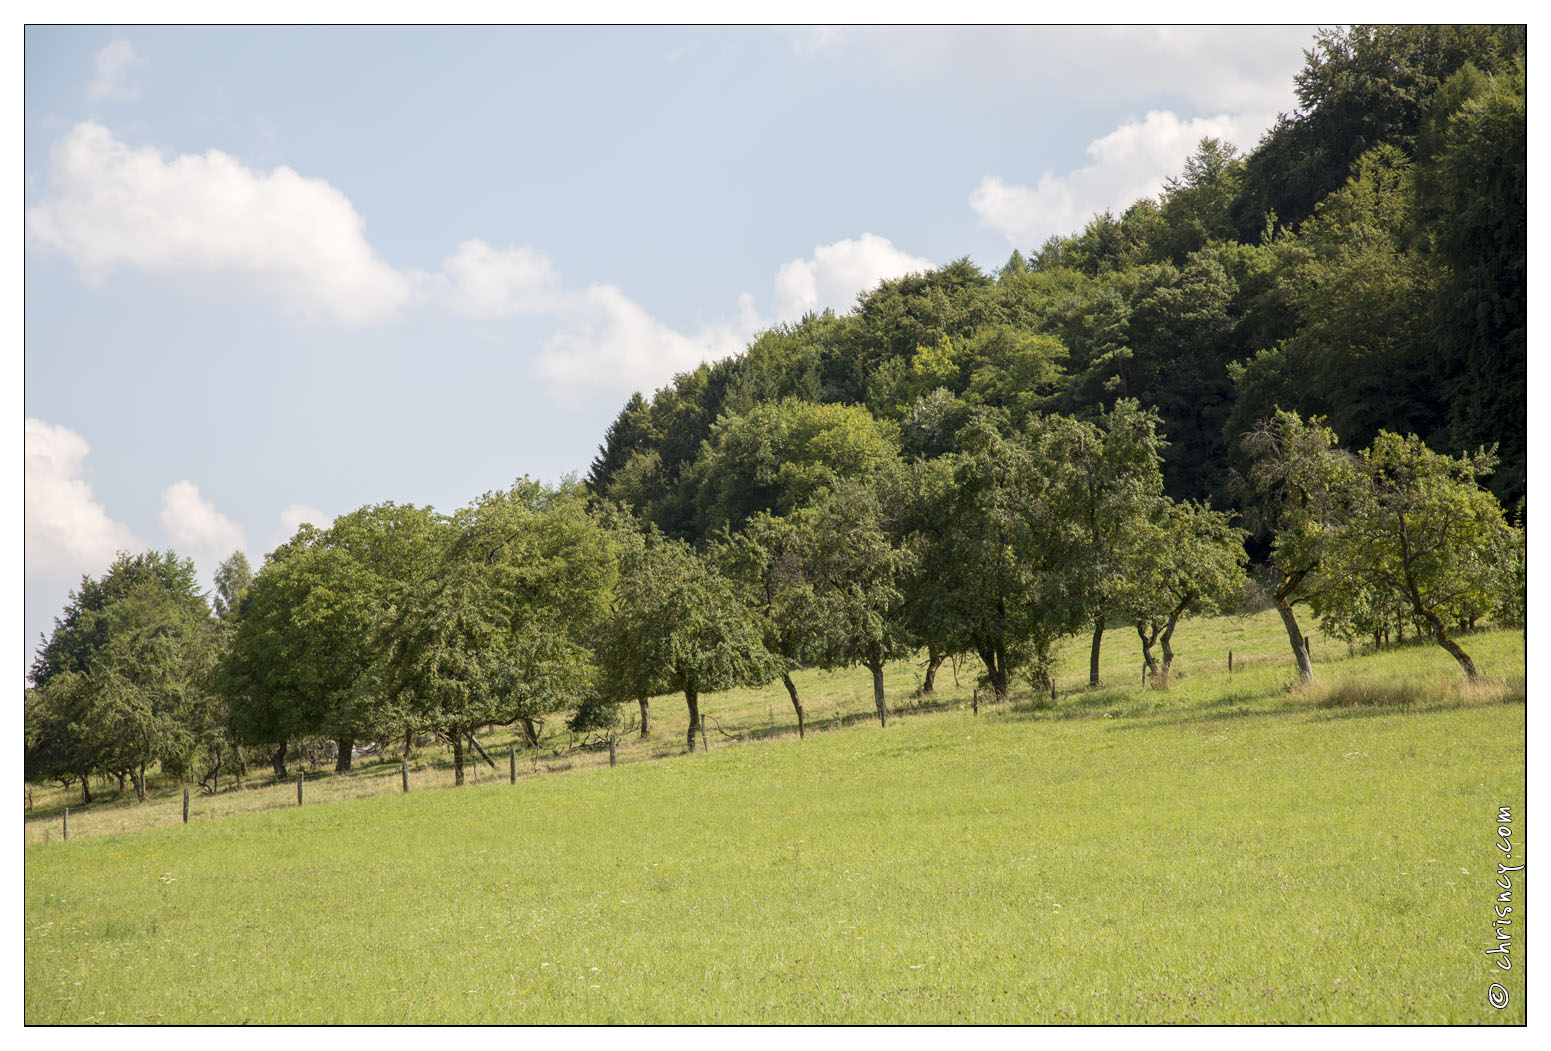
column 397, row 621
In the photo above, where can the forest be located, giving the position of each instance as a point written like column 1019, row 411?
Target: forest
column 1295, row 379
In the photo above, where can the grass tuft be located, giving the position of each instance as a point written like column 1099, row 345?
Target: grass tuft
column 1363, row 693
column 1488, row 690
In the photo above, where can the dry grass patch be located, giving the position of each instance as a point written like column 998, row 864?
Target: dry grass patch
column 1400, row 694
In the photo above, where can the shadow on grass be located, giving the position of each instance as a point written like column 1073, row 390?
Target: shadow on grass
column 1128, row 711
column 837, row 722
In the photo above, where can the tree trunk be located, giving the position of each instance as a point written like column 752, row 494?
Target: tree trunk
column 1168, row 651
column 996, row 671
column 692, row 698
column 213, row 774
column 1453, row 648
column 474, row 742
column 1290, row 622
column 457, row 758
column 875, row 665
column 933, row 662
column 86, row 789
column 1093, row 654
column 791, row 688
column 645, row 706
column 346, row 748
column 530, row 732
column 120, row 775
column 1147, row 644
column 277, row 760
column 139, row 782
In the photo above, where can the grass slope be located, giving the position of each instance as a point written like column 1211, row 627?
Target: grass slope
column 1224, row 852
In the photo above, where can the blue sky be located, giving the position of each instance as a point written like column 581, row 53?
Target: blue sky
column 273, row 275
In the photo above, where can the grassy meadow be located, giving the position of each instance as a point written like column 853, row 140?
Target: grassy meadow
column 1230, row 850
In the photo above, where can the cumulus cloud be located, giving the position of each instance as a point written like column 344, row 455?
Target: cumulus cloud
column 292, row 518
column 67, row 530
column 1213, row 68
column 197, row 527
column 1129, row 163
column 480, row 281
column 114, row 64
column 293, row 240
column 835, row 273
column 611, row 343
column 1234, row 68
column 299, row 243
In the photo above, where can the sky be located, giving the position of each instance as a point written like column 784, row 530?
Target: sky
column 273, row 275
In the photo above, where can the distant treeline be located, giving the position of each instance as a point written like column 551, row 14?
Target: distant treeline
column 1365, row 262
column 965, row 464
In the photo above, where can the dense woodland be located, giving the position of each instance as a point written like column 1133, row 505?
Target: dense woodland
column 1295, row 378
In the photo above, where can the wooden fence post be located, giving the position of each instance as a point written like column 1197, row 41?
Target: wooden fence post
column 66, row 828
column 185, row 806
column 514, row 764
column 298, row 789
column 404, row 773
column 705, row 742
column 1052, row 689
column 612, row 739
column 1230, row 662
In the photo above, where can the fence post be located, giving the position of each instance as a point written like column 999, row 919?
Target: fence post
column 66, row 828
column 514, row 764
column 1230, row 662
column 1052, row 689
column 705, row 742
column 404, row 773
column 298, row 789
column 185, row 806
column 612, row 739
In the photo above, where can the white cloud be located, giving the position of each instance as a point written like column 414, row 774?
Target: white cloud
column 480, row 281
column 194, row 524
column 299, row 242
column 1213, row 68
column 67, row 531
column 1234, row 68
column 114, row 64
column 1129, row 163
column 290, row 239
column 610, row 343
column 292, row 518
column 836, row 272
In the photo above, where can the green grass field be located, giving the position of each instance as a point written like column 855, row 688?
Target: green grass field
column 1227, row 851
